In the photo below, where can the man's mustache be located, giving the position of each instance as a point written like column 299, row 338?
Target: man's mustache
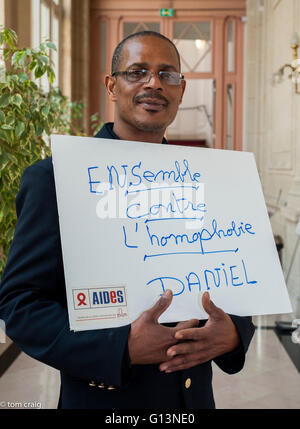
column 151, row 95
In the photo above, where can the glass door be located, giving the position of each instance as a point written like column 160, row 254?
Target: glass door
column 193, row 41
column 211, row 51
column 193, row 124
column 130, row 27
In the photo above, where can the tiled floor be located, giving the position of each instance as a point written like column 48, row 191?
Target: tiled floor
column 268, row 380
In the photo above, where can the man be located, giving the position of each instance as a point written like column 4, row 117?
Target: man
column 145, row 364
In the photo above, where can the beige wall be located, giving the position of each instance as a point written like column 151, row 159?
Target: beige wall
column 272, row 126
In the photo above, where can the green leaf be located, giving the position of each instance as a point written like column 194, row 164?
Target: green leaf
column 14, row 58
column 16, row 99
column 43, row 101
column 32, row 65
column 4, row 100
column 23, row 77
column 14, row 77
column 11, row 35
column 39, row 129
column 7, row 127
column 6, row 53
column 12, row 158
column 34, row 85
column 3, row 161
column 50, row 74
column 10, row 234
column 95, row 117
column 45, row 110
column 47, row 129
column 9, row 39
column 18, row 59
column 38, row 72
column 10, row 119
column 3, row 136
column 51, row 45
column 2, row 116
column 44, row 59
column 19, row 129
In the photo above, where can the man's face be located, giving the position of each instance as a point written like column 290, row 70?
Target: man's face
column 151, row 106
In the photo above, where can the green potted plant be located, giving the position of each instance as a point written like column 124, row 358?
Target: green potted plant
column 28, row 115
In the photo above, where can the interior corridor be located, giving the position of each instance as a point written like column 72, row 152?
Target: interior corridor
column 270, row 378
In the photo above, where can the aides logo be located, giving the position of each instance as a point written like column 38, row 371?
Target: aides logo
column 99, row 297
column 107, row 297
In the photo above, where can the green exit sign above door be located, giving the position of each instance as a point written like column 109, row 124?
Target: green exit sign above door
column 166, row 12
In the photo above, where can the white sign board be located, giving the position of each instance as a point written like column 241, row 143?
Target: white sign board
column 139, row 218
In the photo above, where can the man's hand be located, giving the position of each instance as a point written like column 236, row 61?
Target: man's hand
column 148, row 341
column 198, row 345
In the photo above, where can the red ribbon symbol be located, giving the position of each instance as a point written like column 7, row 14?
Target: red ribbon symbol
column 120, row 313
column 81, row 298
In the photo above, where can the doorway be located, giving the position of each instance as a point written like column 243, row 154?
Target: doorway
column 210, row 44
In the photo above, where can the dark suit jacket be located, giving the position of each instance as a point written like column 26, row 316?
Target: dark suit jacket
column 94, row 365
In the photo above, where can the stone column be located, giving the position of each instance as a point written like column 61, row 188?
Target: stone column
column 80, row 56
column 272, row 127
column 65, row 48
column 18, row 17
column 2, row 12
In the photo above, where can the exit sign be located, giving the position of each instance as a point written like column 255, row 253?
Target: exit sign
column 166, row 12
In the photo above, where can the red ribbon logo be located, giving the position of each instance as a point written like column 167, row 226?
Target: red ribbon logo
column 81, row 299
column 120, row 313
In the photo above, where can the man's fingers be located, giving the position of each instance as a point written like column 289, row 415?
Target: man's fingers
column 193, row 323
column 188, row 347
column 211, row 309
column 183, row 366
column 185, row 348
column 196, row 334
column 185, row 361
column 160, row 306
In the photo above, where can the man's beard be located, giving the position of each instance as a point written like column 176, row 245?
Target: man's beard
column 151, row 128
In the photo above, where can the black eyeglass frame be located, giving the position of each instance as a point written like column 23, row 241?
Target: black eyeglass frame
column 150, row 74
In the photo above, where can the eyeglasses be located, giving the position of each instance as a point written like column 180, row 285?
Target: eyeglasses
column 144, row 76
